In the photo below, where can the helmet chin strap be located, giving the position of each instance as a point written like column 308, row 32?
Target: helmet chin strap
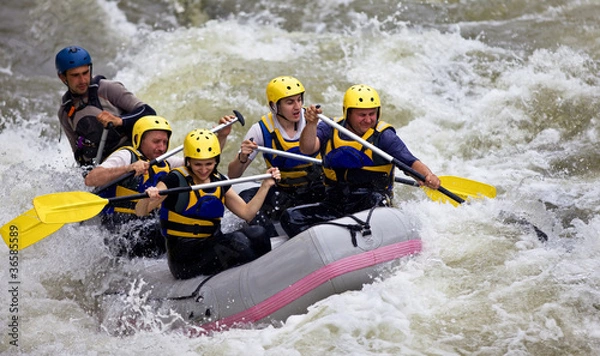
column 348, row 121
column 351, row 127
column 286, row 119
column 275, row 111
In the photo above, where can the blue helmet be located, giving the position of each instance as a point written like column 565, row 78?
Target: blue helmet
column 72, row 57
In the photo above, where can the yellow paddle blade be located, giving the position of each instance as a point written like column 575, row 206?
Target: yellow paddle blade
column 25, row 230
column 68, row 207
column 463, row 187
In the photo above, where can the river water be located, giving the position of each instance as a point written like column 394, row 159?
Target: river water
column 502, row 92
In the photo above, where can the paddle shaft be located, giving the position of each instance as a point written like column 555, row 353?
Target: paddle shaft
column 318, row 161
column 289, row 155
column 387, row 156
column 193, row 187
column 238, row 117
column 102, row 143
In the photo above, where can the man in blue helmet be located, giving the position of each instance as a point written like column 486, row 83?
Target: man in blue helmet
column 91, row 103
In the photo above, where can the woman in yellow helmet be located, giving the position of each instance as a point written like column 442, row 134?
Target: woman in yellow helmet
column 301, row 182
column 356, row 178
column 191, row 221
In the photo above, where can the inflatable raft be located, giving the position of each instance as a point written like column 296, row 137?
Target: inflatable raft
column 323, row 260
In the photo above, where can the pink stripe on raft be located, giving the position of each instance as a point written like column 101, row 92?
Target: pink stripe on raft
column 315, row 279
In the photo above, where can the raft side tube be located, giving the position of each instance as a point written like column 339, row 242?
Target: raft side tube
column 298, row 270
column 313, row 265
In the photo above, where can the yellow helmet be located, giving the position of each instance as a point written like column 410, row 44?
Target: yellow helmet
column 201, row 144
column 282, row 87
column 148, row 123
column 361, row 96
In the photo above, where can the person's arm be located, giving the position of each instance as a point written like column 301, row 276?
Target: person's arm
column 431, row 180
column 115, row 166
column 242, row 160
column 129, row 119
column 130, row 108
column 225, row 131
column 248, row 211
column 247, row 153
column 393, row 145
column 176, row 161
column 309, row 142
column 144, row 206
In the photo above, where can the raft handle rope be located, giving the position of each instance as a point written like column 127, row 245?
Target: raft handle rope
column 364, row 227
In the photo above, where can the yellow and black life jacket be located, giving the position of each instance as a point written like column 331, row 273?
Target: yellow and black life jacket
column 194, row 214
column 134, row 185
column 294, row 173
column 349, row 162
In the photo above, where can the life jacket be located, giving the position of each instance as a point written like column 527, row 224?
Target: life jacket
column 348, row 162
column 195, row 214
column 84, row 123
column 134, row 185
column 294, row 173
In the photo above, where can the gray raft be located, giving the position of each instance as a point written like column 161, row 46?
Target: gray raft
column 323, row 260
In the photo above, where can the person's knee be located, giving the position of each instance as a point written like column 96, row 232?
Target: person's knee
column 248, row 194
column 292, row 222
column 259, row 239
column 254, row 231
column 237, row 250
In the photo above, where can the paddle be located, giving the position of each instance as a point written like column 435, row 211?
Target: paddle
column 25, row 230
column 31, row 229
column 462, row 187
column 238, row 118
column 69, row 207
column 387, row 157
column 295, row 156
column 102, row 143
